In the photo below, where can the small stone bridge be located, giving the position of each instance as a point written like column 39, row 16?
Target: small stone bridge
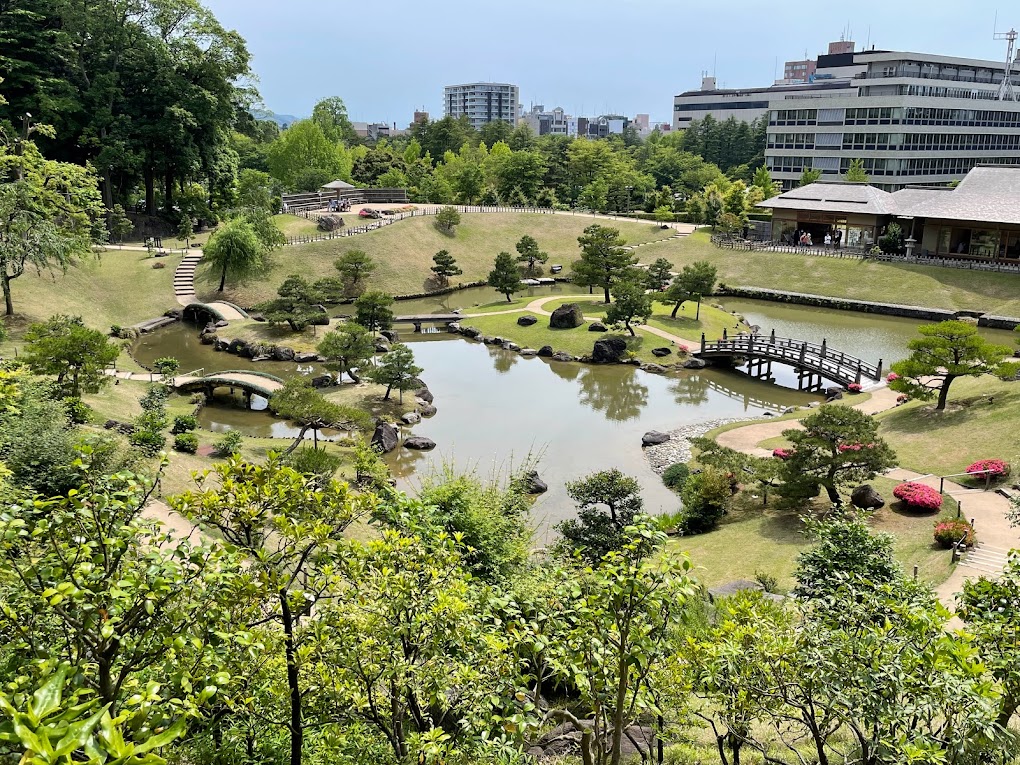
column 813, row 361
column 249, row 383
column 219, row 310
column 427, row 318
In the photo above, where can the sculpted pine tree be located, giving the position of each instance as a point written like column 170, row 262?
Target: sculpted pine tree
column 445, row 267
column 529, row 252
column 345, row 348
column 603, row 261
column 504, row 276
column 632, row 304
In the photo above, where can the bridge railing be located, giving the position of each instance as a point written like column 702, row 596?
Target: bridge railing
column 830, row 362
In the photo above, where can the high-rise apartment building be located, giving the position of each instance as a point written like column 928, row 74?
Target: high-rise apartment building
column 482, row 102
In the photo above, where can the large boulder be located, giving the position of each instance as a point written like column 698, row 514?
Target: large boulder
column 545, row 351
column 470, row 332
column 567, row 316
column 305, row 357
column 329, row 223
column 283, row 353
column 322, row 381
column 527, row 321
column 386, row 437
column 656, row 369
column 695, row 364
column 425, row 395
column 236, row 346
column 597, row 326
column 419, row 443
column 654, row 438
column 209, row 339
column 390, row 335
column 221, row 345
column 533, row 484
column 410, row 418
column 427, row 410
column 661, row 352
column 866, row 498
column 608, row 350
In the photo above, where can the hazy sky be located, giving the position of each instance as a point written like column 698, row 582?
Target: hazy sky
column 389, row 57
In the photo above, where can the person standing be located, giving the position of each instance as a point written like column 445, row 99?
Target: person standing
column 828, row 240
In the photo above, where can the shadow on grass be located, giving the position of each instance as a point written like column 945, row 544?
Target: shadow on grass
column 924, row 419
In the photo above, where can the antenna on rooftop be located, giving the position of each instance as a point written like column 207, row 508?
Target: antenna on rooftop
column 1006, row 87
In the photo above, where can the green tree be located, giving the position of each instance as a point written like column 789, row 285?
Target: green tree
column 186, row 230
column 303, row 405
column 64, row 347
column 633, row 303
column 445, row 267
column 397, row 371
column 604, row 261
column 119, row 223
column 838, row 446
column 354, row 265
column 763, row 472
column 659, row 274
column 810, row 175
column 254, row 191
column 504, row 276
column 345, row 348
column 735, row 201
column 695, row 280
column 942, row 354
column 290, row 529
column 447, row 219
column 664, row 214
column 845, row 547
column 607, row 503
column 373, row 312
column 304, row 147
column 330, row 114
column 235, row 248
column 529, row 252
column 298, row 304
column 856, row 172
column 763, row 180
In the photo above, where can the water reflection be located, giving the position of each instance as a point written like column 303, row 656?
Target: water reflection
column 617, row 392
column 502, row 361
column 690, row 389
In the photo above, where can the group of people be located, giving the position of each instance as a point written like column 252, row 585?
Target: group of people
column 833, row 238
column 339, row 205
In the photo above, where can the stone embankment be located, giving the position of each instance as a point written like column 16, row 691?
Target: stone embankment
column 678, row 447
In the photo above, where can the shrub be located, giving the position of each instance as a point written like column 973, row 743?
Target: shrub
column 989, row 468
column 669, row 521
column 148, row 441
column 705, row 497
column 78, row 411
column 782, row 454
column 948, row 533
column 918, row 496
column 892, row 377
column 768, row 582
column 676, row 475
column 186, row 442
column 229, row 445
column 854, row 387
column 184, row 423
column 314, row 462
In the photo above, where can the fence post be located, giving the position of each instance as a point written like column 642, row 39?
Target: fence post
column 702, row 342
column 823, row 347
column 915, row 572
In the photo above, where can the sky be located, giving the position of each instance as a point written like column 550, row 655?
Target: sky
column 386, row 59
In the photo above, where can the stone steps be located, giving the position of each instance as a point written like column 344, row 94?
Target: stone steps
column 986, row 559
column 184, row 276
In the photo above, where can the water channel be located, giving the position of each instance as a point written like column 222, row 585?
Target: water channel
column 496, row 407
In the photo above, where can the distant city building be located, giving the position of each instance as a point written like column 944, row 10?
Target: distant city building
column 641, row 121
column 482, row 102
column 555, row 122
column 420, row 117
column 795, row 72
column 373, row 131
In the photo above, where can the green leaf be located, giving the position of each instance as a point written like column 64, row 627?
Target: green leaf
column 47, row 697
column 78, row 734
column 162, row 739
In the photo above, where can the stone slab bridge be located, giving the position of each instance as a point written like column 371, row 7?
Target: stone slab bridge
column 428, row 318
column 249, row 383
column 813, row 361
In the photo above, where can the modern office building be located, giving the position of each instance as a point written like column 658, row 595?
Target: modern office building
column 554, row 122
column 912, row 118
column 803, row 70
column 482, row 102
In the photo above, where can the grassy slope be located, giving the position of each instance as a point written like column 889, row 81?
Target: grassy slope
column 884, row 282
column 403, row 251
column 711, row 321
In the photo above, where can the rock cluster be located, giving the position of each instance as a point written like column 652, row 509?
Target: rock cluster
column 678, row 447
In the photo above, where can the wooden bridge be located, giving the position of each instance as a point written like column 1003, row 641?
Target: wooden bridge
column 249, row 383
column 427, row 318
column 814, row 362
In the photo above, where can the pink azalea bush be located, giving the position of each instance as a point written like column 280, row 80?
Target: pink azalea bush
column 993, row 468
column 782, row 454
column 948, row 533
column 854, row 387
column 918, row 496
column 891, row 377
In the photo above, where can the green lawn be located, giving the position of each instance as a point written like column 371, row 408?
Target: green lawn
column 848, row 278
column 752, row 538
column 403, row 251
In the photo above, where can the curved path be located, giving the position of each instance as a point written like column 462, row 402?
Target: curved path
column 536, row 306
column 988, row 509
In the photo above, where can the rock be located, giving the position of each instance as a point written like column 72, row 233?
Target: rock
column 834, row 397
column 221, row 345
column 304, row 357
column 174, row 313
column 529, row 352
column 494, row 341
column 208, row 339
column 410, row 418
column 656, row 369
column 427, row 410
column 527, row 321
column 261, row 357
column 509, row 346
column 609, row 350
column 660, row 352
column 159, row 265
column 695, row 364
column 453, row 328
column 654, row 438
column 322, row 381
column 597, row 326
column 329, row 223
column 470, row 332
column 236, row 346
column 425, row 395
column 832, row 392
column 386, row 437
column 419, row 443
column 866, row 498
column 382, row 345
column 545, row 351
column 533, row 484
column 221, row 324
column 484, row 339
column 567, row 316
column 561, row 356
column 283, row 353
column 257, row 317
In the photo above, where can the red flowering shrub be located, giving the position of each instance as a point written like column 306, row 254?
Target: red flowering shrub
column 782, row 454
column 918, row 496
column 948, row 533
column 854, row 387
column 993, row 468
column 891, row 377
column 843, row 448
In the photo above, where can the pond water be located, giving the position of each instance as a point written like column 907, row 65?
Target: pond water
column 496, row 408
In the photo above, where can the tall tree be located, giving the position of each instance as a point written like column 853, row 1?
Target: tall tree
column 528, row 252
column 298, row 303
column 856, row 172
column 235, row 248
column 354, row 265
column 65, row 347
column 607, row 503
column 303, row 147
column 330, row 114
column 603, row 261
column 397, row 371
column 303, row 405
column 632, row 303
column 373, row 312
column 345, row 348
column 659, row 274
column 504, row 276
column 695, row 281
column 944, row 353
column 445, row 267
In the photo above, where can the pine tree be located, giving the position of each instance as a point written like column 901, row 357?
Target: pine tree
column 396, row 370
column 445, row 267
column 603, row 260
column 504, row 276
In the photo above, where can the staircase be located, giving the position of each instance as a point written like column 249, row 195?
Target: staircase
column 988, row 561
column 184, row 278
